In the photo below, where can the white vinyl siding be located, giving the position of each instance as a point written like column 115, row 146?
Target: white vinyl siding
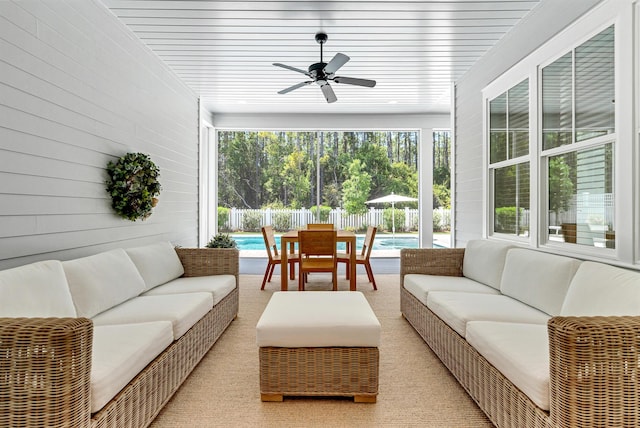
column 77, row 90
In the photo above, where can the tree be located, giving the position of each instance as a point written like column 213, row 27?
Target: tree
column 297, row 178
column 355, row 190
column 560, row 184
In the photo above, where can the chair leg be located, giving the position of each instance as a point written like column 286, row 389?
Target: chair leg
column 272, row 267
column 301, row 279
column 267, row 275
column 367, row 266
column 348, row 265
column 334, row 278
column 292, row 270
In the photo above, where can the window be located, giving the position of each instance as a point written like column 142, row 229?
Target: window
column 509, row 160
column 578, row 136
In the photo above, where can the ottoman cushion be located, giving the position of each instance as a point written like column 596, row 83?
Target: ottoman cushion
column 318, row 319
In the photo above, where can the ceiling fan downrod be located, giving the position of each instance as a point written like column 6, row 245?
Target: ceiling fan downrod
column 321, row 38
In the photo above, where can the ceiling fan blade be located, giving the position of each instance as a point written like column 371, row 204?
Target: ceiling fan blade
column 329, row 95
column 294, row 87
column 338, row 61
column 288, row 67
column 354, row 81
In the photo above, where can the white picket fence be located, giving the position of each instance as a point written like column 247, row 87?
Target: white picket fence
column 251, row 220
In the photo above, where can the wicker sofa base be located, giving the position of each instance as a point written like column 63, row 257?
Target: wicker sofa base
column 325, row 371
column 502, row 402
column 143, row 398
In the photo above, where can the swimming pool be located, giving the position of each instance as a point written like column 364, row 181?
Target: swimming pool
column 384, row 242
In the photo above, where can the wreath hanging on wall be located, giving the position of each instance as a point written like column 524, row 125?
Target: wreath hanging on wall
column 133, row 185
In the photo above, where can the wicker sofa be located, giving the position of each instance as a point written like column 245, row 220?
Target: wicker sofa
column 537, row 340
column 106, row 340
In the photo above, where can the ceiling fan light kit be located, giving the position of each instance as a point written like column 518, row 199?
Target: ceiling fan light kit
column 322, row 73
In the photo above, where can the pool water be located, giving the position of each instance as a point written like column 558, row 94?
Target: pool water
column 248, row 242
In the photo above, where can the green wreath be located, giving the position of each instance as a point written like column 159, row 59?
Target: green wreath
column 133, row 185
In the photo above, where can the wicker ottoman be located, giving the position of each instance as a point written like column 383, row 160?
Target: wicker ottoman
column 318, row 343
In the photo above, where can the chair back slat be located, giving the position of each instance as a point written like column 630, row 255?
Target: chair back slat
column 270, row 241
column 317, row 243
column 368, row 241
column 319, row 226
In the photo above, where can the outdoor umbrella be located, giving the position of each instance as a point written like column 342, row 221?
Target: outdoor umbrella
column 392, row 198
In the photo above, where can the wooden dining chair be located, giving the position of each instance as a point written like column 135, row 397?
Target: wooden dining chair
column 319, row 226
column 275, row 258
column 317, row 254
column 363, row 257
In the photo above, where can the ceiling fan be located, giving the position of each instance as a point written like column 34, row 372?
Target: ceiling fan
column 322, row 72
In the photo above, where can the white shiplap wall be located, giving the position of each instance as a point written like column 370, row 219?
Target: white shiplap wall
column 77, row 89
column 546, row 20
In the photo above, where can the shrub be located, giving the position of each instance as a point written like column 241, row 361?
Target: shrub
column 437, row 221
column 251, row 221
column 223, row 218
column 387, row 215
column 282, row 221
column 324, row 212
column 222, row 240
column 505, row 220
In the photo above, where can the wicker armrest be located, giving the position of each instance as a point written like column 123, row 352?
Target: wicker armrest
column 594, row 371
column 210, row 261
column 45, row 371
column 431, row 261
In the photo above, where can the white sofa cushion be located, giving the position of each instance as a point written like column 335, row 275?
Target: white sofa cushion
column 601, row 289
column 519, row 351
column 157, row 263
column 538, row 279
column 484, row 261
column 120, row 352
column 183, row 310
column 420, row 285
column 35, row 290
column 457, row 309
column 218, row 285
column 102, row 281
column 317, row 319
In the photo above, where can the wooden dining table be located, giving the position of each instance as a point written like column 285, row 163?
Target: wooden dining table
column 288, row 239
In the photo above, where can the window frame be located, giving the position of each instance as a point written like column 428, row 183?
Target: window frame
column 626, row 138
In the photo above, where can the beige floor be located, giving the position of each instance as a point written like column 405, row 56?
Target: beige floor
column 415, row 388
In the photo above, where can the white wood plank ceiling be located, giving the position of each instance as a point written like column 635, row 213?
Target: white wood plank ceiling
column 224, row 50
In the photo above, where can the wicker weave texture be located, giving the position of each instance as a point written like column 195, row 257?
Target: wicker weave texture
column 594, row 371
column 325, row 371
column 504, row 404
column 431, row 261
column 45, row 368
column 209, row 261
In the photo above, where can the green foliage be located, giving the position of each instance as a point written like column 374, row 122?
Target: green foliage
column 133, row 185
column 402, row 180
column 222, row 240
column 505, row 219
column 258, row 168
column 331, row 195
column 223, row 218
column 441, row 196
column 324, row 212
column 281, row 221
column 297, row 178
column 387, row 215
column 560, row 184
column 437, row 221
column 251, row 221
column 356, row 189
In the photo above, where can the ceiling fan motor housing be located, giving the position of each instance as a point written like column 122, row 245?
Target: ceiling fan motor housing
column 317, row 70
column 321, row 38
